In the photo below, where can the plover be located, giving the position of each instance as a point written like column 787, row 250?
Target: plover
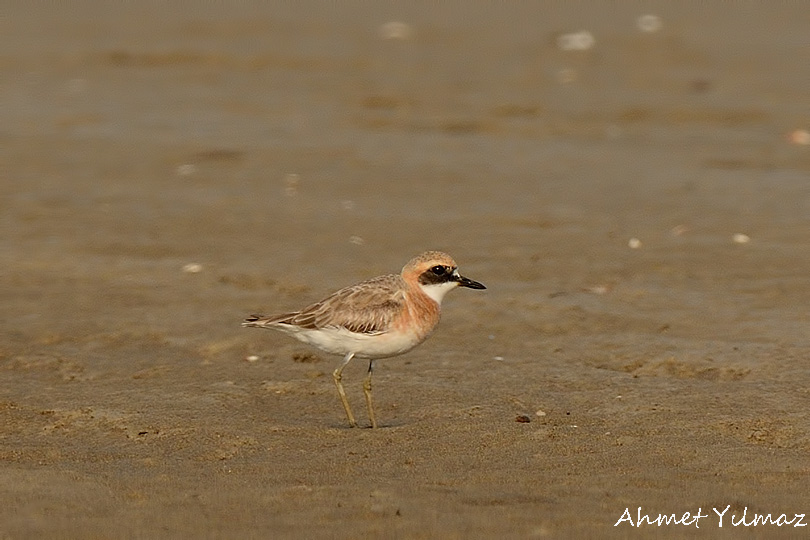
column 378, row 318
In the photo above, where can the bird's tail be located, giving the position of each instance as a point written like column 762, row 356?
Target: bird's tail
column 264, row 321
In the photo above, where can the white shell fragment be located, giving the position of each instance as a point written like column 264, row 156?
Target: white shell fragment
column 291, row 182
column 598, row 289
column 193, row 268
column 576, row 41
column 186, row 169
column 740, row 238
column 649, row 23
column 679, row 230
column 634, row 243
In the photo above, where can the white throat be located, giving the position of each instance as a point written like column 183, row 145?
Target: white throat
column 438, row 290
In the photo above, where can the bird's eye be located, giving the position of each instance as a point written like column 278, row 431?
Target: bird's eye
column 438, row 270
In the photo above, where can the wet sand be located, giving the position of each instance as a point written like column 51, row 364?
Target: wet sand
column 286, row 152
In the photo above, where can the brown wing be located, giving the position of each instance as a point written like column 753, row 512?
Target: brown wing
column 366, row 308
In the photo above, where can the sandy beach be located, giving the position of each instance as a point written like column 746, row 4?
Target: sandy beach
column 634, row 192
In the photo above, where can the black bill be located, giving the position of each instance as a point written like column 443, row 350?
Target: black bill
column 466, row 282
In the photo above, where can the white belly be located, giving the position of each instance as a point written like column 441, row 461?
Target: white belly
column 342, row 341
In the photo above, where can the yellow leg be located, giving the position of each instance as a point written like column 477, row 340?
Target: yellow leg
column 341, row 392
column 367, row 392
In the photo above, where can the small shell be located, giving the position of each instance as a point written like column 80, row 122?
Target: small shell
column 576, row 41
column 193, row 268
column 649, row 23
column 598, row 289
column 186, row 169
column 291, row 182
column 679, row 230
column 740, row 238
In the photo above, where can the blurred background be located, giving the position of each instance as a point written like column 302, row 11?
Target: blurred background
column 630, row 180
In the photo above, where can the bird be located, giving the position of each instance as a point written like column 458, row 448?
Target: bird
column 381, row 317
